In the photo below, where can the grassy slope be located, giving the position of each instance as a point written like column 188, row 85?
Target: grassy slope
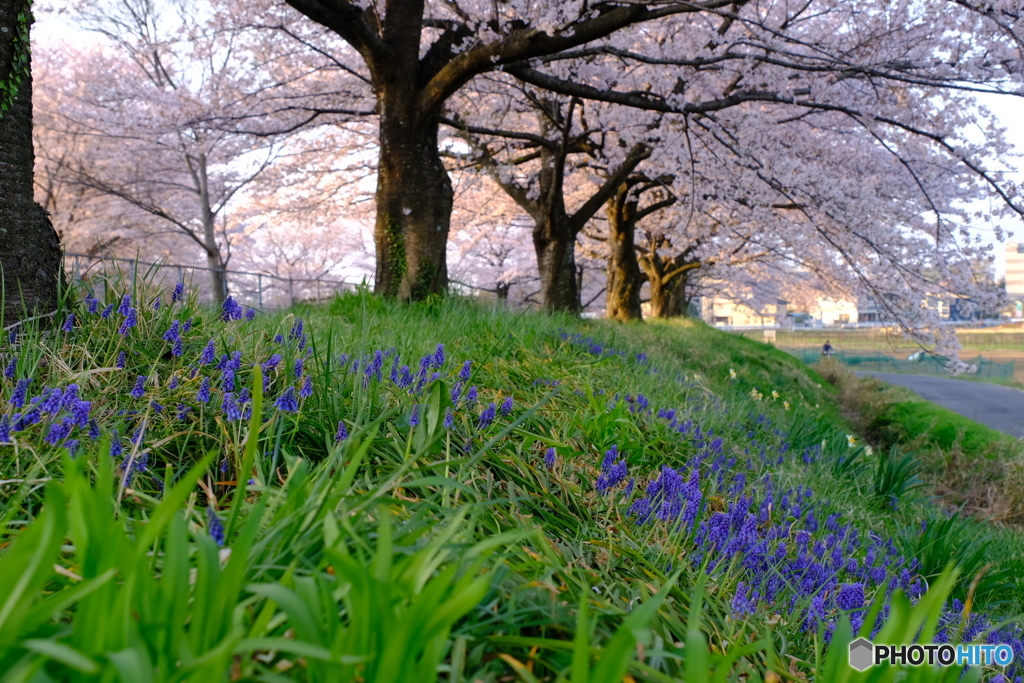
column 452, row 547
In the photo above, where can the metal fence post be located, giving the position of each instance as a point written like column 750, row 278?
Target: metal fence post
column 291, row 293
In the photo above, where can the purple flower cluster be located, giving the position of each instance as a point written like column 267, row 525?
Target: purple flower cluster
column 61, row 411
column 613, row 471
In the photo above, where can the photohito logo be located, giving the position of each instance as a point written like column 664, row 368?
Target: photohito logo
column 865, row 654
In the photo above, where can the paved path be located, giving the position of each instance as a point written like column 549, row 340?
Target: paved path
column 998, row 407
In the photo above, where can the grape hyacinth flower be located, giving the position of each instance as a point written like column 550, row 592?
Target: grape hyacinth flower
column 72, row 446
column 80, row 413
column 307, row 388
column 213, row 524
column 173, row 384
column 94, row 430
column 120, row 361
column 178, row 293
column 850, row 596
column 278, row 339
column 139, row 390
column 230, row 310
column 228, row 380
column 232, row 411
column 466, row 371
column 506, row 406
column 91, row 304
column 69, row 323
column 449, row 418
column 486, row 417
column 70, row 397
column 157, row 303
column 342, row 432
column 130, row 321
column 743, row 603
column 471, row 395
column 414, row 416
column 287, row 401
column 52, row 402
column 12, row 368
column 5, row 429
column 203, row 395
column 296, row 332
column 20, row 393
column 58, row 432
column 438, row 358
column 116, row 447
column 208, row 355
column 173, row 332
column 613, row 471
column 298, row 368
column 126, row 305
column 107, row 311
column 549, row 458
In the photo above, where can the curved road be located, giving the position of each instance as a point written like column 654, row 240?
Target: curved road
column 998, row 407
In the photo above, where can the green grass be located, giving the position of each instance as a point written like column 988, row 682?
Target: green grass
column 417, row 550
column 936, row 426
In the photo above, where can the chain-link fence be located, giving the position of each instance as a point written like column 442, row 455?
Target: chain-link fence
column 259, row 290
column 927, row 365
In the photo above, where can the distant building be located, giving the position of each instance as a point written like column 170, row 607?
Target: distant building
column 1015, row 270
column 720, row 311
column 1015, row 276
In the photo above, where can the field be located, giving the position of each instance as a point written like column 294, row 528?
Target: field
column 1002, row 344
column 376, row 492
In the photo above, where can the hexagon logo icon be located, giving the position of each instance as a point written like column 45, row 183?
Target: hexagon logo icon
column 861, row 654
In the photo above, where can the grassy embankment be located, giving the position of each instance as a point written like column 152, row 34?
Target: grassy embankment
column 972, row 466
column 329, row 495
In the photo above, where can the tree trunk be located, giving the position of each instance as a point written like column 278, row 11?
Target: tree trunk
column 214, row 261
column 668, row 295
column 30, row 254
column 414, row 203
column 624, row 277
column 555, row 244
column 501, row 291
column 673, row 300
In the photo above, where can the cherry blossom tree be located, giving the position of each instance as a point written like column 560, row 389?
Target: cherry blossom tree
column 132, row 110
column 782, row 60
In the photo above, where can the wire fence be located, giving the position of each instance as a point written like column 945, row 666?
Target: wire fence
column 927, row 365
column 258, row 290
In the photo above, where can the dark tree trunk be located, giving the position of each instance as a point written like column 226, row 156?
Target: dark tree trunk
column 30, row 253
column 555, row 243
column 668, row 298
column 669, row 280
column 624, row 276
column 414, row 192
column 501, row 291
column 414, row 207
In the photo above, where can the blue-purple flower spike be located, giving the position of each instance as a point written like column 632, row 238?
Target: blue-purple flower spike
column 549, row 458
column 139, row 390
column 179, row 292
column 287, row 401
column 342, row 432
column 486, row 417
column 214, row 526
